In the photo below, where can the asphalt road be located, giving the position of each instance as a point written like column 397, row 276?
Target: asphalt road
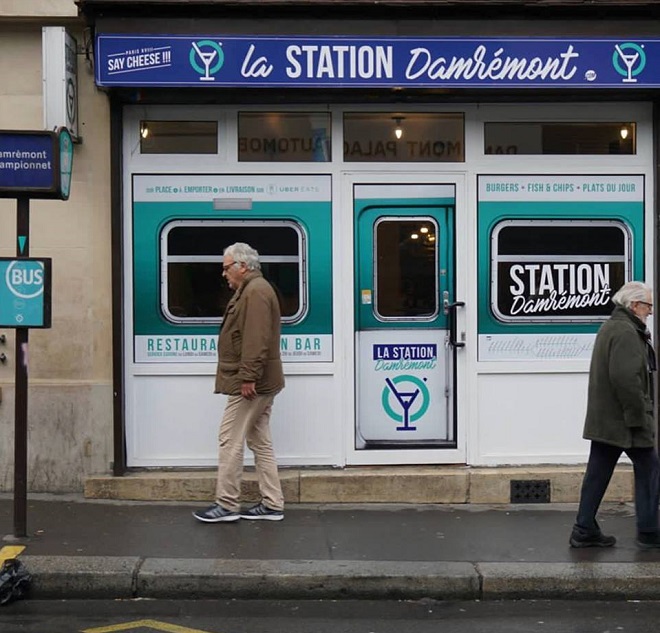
column 424, row 616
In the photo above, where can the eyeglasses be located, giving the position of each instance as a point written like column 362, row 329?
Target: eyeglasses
column 226, row 267
column 647, row 304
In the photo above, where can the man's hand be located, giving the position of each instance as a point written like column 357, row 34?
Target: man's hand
column 248, row 390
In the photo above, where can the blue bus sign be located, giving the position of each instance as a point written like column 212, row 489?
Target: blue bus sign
column 25, row 292
column 36, row 164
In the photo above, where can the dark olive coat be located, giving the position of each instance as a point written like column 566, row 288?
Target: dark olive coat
column 249, row 341
column 619, row 408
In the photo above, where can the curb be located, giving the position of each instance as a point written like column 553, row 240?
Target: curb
column 75, row 577
column 570, row 581
column 101, row 577
column 287, row 579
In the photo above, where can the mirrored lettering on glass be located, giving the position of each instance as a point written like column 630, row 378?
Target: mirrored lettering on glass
column 284, row 136
column 404, row 137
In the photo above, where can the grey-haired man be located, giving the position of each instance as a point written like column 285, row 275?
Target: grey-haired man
column 620, row 418
column 250, row 374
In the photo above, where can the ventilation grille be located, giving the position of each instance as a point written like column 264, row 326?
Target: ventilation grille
column 530, row 491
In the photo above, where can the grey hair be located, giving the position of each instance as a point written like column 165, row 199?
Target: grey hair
column 631, row 292
column 244, row 254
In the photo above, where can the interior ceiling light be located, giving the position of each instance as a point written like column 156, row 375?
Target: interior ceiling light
column 624, row 132
column 414, row 236
column 144, row 130
column 398, row 130
column 424, row 229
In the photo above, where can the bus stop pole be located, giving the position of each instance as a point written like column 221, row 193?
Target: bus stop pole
column 21, row 385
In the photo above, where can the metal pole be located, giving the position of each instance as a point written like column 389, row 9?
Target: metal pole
column 21, row 386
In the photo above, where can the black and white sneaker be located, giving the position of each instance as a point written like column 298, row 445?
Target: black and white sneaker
column 262, row 512
column 216, row 514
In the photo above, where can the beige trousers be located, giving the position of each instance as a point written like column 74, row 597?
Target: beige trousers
column 247, row 421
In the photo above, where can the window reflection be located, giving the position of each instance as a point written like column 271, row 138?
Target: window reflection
column 179, row 137
column 193, row 287
column 560, row 138
column 403, row 137
column 284, row 136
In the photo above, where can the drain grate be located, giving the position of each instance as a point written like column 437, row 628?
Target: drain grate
column 530, row 491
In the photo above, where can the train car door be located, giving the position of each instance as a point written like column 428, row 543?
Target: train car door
column 405, row 316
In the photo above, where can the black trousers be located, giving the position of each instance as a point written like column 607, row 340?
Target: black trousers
column 602, row 460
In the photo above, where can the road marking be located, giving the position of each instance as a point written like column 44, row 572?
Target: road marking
column 147, row 624
column 10, row 551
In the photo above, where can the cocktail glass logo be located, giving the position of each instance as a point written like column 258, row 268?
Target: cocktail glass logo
column 633, row 58
column 210, row 54
column 25, row 279
column 406, row 391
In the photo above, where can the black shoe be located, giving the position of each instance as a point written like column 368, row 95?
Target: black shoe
column 216, row 514
column 580, row 539
column 262, row 512
column 648, row 540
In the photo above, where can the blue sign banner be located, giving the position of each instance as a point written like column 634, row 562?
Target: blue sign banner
column 36, row 164
column 340, row 62
column 27, row 161
column 25, row 292
column 416, row 351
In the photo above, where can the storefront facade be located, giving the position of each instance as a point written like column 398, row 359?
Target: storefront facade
column 444, row 260
column 429, row 308
column 445, row 200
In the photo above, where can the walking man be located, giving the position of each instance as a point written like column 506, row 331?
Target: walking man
column 620, row 418
column 250, row 373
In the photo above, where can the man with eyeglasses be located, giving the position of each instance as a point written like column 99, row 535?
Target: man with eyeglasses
column 250, row 374
column 620, row 418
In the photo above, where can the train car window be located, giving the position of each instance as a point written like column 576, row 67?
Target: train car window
column 284, row 137
column 178, row 137
column 406, row 279
column 411, row 137
column 192, row 287
column 558, row 270
column 560, row 138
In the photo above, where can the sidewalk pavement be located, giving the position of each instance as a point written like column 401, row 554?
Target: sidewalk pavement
column 79, row 548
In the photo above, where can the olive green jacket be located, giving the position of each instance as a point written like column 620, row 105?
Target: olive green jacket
column 619, row 407
column 249, row 341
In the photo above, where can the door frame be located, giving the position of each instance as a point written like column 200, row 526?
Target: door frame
column 462, row 248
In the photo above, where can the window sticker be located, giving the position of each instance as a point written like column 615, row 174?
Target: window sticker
column 552, row 251
column 557, row 270
column 180, row 225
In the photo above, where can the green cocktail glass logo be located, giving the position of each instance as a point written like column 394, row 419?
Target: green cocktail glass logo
column 211, row 56
column 406, row 390
column 633, row 58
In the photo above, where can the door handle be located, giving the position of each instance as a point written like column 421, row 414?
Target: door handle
column 450, row 309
